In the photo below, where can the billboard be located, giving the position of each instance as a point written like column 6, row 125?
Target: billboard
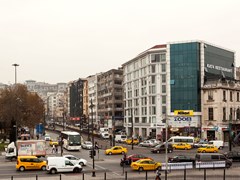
column 218, row 62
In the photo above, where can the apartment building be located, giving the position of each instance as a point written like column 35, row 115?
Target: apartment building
column 221, row 108
column 110, row 99
column 92, row 97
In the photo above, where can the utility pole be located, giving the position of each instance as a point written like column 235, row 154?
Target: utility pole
column 230, row 133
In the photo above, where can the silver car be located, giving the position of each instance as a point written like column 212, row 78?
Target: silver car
column 87, row 145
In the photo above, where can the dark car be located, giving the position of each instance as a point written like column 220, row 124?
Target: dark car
column 234, row 155
column 161, row 148
column 133, row 158
column 180, row 158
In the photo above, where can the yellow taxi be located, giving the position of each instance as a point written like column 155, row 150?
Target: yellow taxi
column 53, row 142
column 182, row 146
column 145, row 164
column 129, row 141
column 29, row 163
column 116, row 150
column 207, row 149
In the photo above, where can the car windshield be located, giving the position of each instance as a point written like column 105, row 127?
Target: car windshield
column 88, row 143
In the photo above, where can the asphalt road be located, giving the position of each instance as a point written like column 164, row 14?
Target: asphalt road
column 108, row 163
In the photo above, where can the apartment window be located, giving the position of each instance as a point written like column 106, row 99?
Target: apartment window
column 152, row 100
column 153, row 110
column 144, row 119
column 136, row 119
column 163, row 78
column 153, row 68
column 210, row 114
column 144, row 101
column 210, row 95
column 163, row 88
column 155, row 58
column 224, row 96
column 144, row 110
column 153, row 79
column 224, row 114
column 164, row 110
column 238, row 114
column 231, row 94
column 163, row 67
column 164, row 99
column 136, row 92
column 163, row 57
column 237, row 96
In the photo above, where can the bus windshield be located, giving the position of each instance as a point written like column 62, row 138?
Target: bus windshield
column 74, row 139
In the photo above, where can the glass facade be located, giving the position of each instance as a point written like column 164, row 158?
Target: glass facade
column 185, row 76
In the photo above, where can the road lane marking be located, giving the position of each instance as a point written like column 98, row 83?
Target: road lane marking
column 96, row 166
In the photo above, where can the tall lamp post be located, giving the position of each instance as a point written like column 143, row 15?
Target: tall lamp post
column 15, row 65
column 132, row 127
column 16, row 131
column 93, row 147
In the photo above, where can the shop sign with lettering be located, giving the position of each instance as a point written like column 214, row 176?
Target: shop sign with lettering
column 183, row 112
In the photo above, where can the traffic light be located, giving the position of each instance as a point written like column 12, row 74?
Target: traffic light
column 92, row 153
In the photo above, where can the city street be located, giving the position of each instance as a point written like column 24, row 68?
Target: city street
column 103, row 163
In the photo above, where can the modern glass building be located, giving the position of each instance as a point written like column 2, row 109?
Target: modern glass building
column 177, row 81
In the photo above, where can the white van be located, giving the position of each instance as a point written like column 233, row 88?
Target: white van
column 61, row 164
column 120, row 138
column 105, row 135
column 103, row 130
column 181, row 139
column 217, row 143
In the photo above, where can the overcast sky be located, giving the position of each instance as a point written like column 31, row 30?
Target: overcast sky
column 63, row 40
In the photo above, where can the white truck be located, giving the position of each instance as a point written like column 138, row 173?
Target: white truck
column 26, row 148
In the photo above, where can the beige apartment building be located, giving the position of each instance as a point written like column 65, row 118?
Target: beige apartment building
column 220, row 109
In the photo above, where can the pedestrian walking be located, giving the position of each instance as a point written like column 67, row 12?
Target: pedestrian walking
column 56, row 149
column 53, row 149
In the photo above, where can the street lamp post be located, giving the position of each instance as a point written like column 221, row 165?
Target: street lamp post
column 132, row 127
column 93, row 147
column 88, row 130
column 16, row 129
column 15, row 65
column 113, row 131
